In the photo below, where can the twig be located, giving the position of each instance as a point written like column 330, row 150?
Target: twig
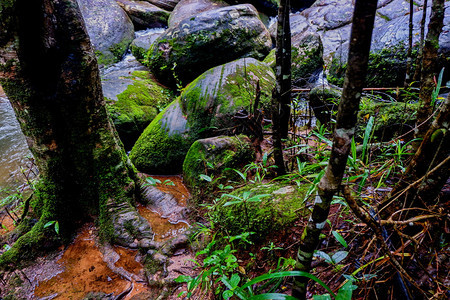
column 412, row 220
column 415, row 183
column 364, row 216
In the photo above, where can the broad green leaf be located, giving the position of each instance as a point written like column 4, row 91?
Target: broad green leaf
column 322, row 297
column 345, row 292
column 183, row 278
column 323, row 255
column 49, row 223
column 57, row 227
column 234, row 280
column 340, row 239
column 339, row 256
column 286, row 274
column 205, row 177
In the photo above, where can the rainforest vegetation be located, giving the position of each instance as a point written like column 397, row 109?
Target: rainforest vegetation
column 202, row 150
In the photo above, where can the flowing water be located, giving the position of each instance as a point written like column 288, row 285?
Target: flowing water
column 13, row 147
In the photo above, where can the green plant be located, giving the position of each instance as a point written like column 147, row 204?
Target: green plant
column 244, row 199
column 150, row 181
column 54, row 223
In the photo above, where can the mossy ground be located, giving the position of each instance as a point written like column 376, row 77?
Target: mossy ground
column 279, row 210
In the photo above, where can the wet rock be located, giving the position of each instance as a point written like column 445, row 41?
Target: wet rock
column 189, row 8
column 163, row 203
column 179, row 242
column 133, row 99
column 143, row 42
column 306, row 56
column 100, row 17
column 205, row 108
column 206, row 40
column 144, row 15
column 267, row 7
column 212, row 157
column 128, row 226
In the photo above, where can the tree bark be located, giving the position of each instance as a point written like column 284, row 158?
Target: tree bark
column 417, row 75
column 49, row 72
column 410, row 45
column 360, row 40
column 429, row 69
column 281, row 96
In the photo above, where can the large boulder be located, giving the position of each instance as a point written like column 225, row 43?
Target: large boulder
column 206, row 40
column 133, row 100
column 306, row 55
column 205, row 109
column 144, row 14
column 189, row 8
column 162, row 146
column 109, row 27
column 215, row 157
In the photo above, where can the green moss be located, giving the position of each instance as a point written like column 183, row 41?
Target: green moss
column 391, row 119
column 279, row 210
column 158, row 151
column 113, row 54
column 137, row 106
column 386, row 68
column 215, row 157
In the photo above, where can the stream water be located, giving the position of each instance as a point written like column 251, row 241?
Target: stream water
column 13, row 147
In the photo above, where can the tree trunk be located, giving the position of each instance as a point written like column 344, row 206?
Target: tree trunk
column 429, row 69
column 416, row 76
column 50, row 74
column 361, row 35
column 281, row 97
column 410, row 45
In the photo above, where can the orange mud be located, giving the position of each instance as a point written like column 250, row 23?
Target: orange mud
column 7, row 224
column 162, row 227
column 85, row 271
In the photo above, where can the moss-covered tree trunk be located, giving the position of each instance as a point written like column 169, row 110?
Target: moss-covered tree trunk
column 429, row 69
column 50, row 74
column 281, row 97
column 361, row 35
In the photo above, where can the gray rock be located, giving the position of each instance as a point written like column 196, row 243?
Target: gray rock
column 206, row 40
column 143, row 42
column 109, row 27
column 144, row 15
column 306, row 56
column 189, row 8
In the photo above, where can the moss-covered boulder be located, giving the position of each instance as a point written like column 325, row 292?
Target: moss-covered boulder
column 100, row 17
column 211, row 100
column 137, row 102
column 162, row 146
column 213, row 156
column 306, row 53
column 144, row 14
column 324, row 100
column 281, row 208
column 189, row 8
column 391, row 119
column 205, row 109
column 206, row 40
